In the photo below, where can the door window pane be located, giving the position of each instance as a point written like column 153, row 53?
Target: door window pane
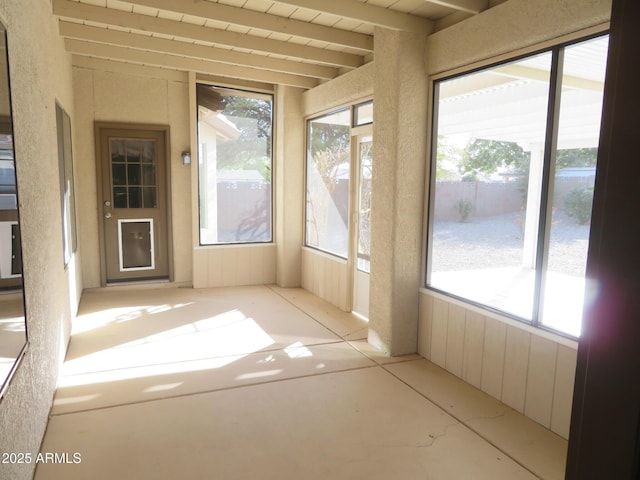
column 234, row 166
column 328, row 175
column 490, row 141
column 133, row 165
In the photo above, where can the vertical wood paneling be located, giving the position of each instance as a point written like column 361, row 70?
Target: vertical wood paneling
column 439, row 332
column 493, row 357
column 540, row 380
column 425, row 319
column 473, row 349
column 563, row 390
column 228, row 266
column 516, row 363
column 455, row 340
column 325, row 277
column 214, row 264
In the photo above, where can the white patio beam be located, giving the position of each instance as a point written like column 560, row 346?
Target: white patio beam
column 468, row 6
column 145, row 57
column 366, row 13
column 263, row 21
column 145, row 23
column 144, row 42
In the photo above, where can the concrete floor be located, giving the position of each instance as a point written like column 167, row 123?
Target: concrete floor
column 268, row 383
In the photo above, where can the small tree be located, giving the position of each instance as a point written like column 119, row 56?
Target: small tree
column 578, row 203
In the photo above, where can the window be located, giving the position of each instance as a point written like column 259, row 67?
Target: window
column 512, row 183
column 234, row 165
column 328, row 177
column 67, row 194
column 363, row 114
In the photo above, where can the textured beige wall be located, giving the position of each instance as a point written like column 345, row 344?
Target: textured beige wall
column 289, row 185
column 40, row 76
column 105, row 91
column 399, row 127
column 510, row 26
column 344, row 90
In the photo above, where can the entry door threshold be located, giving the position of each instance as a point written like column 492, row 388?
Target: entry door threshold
column 138, row 282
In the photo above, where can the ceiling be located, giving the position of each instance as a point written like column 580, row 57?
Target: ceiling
column 300, row 43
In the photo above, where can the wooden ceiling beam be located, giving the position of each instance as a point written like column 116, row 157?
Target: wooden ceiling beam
column 113, row 52
column 366, row 13
column 145, row 23
column 469, row 6
column 262, row 21
column 144, row 42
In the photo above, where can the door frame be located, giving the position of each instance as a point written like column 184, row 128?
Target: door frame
column 354, row 204
column 165, row 130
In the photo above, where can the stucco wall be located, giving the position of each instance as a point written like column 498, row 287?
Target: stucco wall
column 40, row 73
column 110, row 92
column 511, row 26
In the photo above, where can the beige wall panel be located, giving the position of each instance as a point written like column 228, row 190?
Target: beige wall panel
column 510, row 26
column 128, row 98
column 84, row 170
column 495, row 334
column 178, row 106
column 541, row 379
column 455, row 340
column 289, row 185
column 563, row 390
column 473, row 349
column 40, row 73
column 516, row 364
column 326, row 277
column 342, row 90
column 229, row 266
column 424, row 325
column 439, row 326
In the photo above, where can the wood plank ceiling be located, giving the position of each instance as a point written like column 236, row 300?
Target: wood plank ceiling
column 300, row 43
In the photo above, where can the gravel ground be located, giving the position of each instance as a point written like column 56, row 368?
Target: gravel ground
column 493, row 242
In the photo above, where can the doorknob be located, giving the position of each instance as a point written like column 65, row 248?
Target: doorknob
column 107, row 215
column 107, row 203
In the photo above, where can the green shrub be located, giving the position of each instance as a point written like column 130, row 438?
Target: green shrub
column 465, row 209
column 578, row 204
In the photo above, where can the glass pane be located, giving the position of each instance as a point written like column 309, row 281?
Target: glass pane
column 363, row 114
column 135, row 197
column 234, row 166
column 149, row 197
column 119, row 174
column 488, row 167
column 365, row 152
column 134, row 151
column 575, row 170
column 148, row 175
column 133, row 174
column 117, row 151
column 149, row 151
column 328, row 163
column 119, row 197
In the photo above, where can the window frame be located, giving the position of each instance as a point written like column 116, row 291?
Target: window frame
column 244, row 92
column 550, row 149
column 308, row 122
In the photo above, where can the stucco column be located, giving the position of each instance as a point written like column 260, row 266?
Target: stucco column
column 399, row 136
column 289, row 185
